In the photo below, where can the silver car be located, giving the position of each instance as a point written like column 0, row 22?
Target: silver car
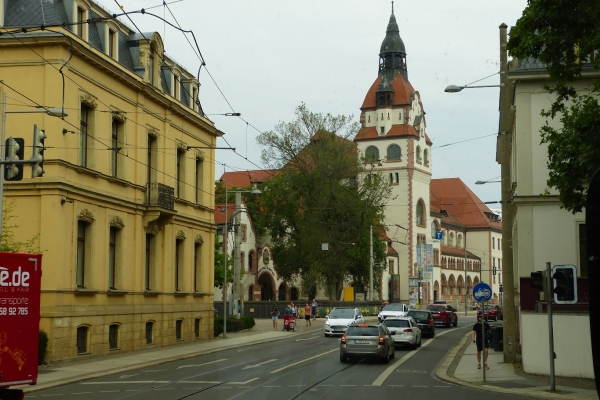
column 367, row 340
column 405, row 331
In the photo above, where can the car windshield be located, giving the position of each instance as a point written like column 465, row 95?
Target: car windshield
column 419, row 314
column 394, row 307
column 436, row 308
column 362, row 331
column 402, row 323
column 489, row 307
column 341, row 314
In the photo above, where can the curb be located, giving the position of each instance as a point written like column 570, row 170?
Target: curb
column 442, row 373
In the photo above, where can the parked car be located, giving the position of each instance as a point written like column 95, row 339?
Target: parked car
column 443, row 314
column 424, row 321
column 404, row 331
column 367, row 340
column 392, row 310
column 440, row 302
column 491, row 312
column 340, row 318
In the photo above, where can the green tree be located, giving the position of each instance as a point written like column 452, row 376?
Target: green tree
column 565, row 36
column 317, row 197
column 220, row 262
column 9, row 242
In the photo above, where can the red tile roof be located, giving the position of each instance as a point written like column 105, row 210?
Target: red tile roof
column 402, row 91
column 397, row 130
column 457, row 252
column 461, row 204
column 220, row 213
column 246, row 178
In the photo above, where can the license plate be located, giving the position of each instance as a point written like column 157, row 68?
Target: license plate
column 361, row 342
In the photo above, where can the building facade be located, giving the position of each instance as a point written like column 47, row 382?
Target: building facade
column 123, row 214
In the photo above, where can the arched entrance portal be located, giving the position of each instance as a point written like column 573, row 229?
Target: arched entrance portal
column 266, row 287
column 282, row 292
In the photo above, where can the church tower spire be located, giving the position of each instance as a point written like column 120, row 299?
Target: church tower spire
column 392, row 54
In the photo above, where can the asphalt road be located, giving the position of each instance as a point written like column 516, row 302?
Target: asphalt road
column 300, row 367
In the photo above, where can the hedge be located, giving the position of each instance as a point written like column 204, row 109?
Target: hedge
column 233, row 324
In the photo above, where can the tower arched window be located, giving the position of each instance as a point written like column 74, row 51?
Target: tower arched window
column 459, row 241
column 420, row 213
column 419, row 154
column 372, row 154
column 434, row 229
column 451, row 239
column 426, row 157
column 394, row 152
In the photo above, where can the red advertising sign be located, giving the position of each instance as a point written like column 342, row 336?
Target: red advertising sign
column 20, row 286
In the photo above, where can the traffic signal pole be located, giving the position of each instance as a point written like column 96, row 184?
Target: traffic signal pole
column 550, row 326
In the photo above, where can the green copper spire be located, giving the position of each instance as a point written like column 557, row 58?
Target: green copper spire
column 392, row 54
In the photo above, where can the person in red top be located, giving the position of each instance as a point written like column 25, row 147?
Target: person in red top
column 307, row 314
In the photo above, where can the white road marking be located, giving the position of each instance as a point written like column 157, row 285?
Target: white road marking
column 300, row 362
column 381, row 378
column 200, row 365
column 313, row 337
column 259, row 364
column 209, row 382
column 127, row 376
column 243, row 383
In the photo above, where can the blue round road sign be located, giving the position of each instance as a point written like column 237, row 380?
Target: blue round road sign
column 482, row 292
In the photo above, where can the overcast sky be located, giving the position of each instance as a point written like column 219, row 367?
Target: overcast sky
column 265, row 57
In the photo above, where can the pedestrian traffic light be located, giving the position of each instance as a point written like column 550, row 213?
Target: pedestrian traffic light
column 564, row 280
column 37, row 167
column 15, row 149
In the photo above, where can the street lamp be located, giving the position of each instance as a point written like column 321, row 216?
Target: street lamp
column 237, row 259
column 53, row 112
column 456, row 89
column 484, row 182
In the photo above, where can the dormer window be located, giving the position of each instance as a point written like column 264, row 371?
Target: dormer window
column 81, row 18
column 176, row 86
column 112, row 41
column 151, row 63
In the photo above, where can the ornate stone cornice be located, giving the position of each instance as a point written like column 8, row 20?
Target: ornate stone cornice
column 89, row 100
column 153, row 132
column 116, row 222
column 180, row 235
column 199, row 155
column 198, row 239
column 119, row 116
column 181, row 146
column 152, row 229
column 86, row 216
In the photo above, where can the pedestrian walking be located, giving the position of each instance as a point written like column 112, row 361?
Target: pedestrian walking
column 307, row 314
column 274, row 316
column 294, row 311
column 313, row 307
column 482, row 341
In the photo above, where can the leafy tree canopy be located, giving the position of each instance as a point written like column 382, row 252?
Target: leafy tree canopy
column 319, row 196
column 220, row 262
column 8, row 237
column 565, row 36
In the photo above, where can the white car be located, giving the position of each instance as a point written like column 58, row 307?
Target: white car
column 393, row 310
column 404, row 331
column 340, row 318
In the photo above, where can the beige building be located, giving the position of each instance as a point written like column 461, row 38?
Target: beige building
column 123, row 214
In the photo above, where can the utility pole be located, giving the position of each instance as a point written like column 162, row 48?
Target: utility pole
column 466, row 285
column 504, row 157
column 237, row 255
column 225, row 237
column 371, row 292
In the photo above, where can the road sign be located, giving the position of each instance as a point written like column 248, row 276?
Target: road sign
column 482, row 292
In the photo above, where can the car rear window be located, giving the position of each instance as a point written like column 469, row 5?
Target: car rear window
column 362, row 331
column 419, row 314
column 436, row 308
column 398, row 323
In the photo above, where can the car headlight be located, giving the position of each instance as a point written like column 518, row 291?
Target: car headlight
column 327, row 323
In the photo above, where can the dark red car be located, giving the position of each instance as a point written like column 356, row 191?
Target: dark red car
column 443, row 314
column 491, row 312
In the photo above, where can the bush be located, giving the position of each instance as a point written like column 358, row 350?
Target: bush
column 233, row 324
column 42, row 346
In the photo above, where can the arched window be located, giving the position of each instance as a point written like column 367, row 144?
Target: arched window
column 451, row 239
column 434, row 229
column 372, row 153
column 426, row 157
column 420, row 213
column 459, row 241
column 394, row 152
column 418, row 154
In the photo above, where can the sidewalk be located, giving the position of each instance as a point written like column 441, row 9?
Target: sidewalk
column 458, row 367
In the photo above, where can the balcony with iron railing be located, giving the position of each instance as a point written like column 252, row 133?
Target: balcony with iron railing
column 160, row 204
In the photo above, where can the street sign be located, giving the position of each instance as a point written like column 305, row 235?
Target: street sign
column 482, row 292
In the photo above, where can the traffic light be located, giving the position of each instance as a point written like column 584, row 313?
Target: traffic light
column 37, row 168
column 540, row 283
column 15, row 149
column 565, row 284
column 494, row 271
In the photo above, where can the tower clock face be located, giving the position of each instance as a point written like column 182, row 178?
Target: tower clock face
column 266, row 256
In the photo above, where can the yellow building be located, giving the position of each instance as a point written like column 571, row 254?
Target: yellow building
column 124, row 211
